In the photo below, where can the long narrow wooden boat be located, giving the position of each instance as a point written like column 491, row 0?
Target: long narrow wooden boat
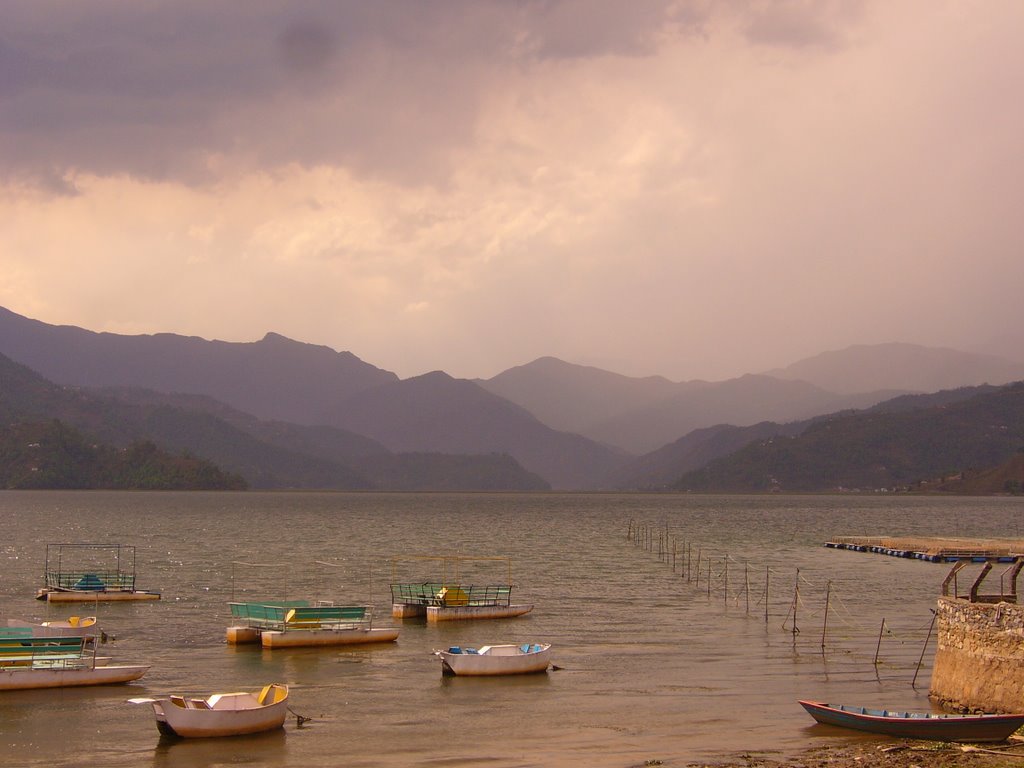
column 917, row 725
column 222, row 714
column 508, row 659
column 30, row 662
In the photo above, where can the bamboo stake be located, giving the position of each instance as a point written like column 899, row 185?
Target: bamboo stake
column 881, row 629
column 746, row 583
column 923, row 649
column 796, row 600
column 824, row 623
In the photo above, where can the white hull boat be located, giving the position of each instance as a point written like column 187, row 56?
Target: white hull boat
column 29, row 678
column 506, row 659
column 29, row 660
column 222, row 714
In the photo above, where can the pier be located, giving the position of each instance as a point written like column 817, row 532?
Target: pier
column 935, row 550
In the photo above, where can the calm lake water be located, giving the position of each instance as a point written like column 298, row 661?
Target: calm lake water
column 654, row 665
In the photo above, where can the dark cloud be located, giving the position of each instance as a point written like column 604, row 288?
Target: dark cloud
column 820, row 24
column 385, row 88
column 307, row 46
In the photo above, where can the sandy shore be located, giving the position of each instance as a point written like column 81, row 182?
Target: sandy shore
column 890, row 754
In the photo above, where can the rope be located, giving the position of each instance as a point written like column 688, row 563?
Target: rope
column 300, row 720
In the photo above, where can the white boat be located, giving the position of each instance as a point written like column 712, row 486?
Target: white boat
column 222, row 714
column 28, row 662
column 68, row 677
column 508, row 659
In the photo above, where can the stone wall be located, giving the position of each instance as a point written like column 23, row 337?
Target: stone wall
column 979, row 662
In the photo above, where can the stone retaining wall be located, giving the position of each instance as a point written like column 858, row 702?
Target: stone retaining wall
column 979, row 662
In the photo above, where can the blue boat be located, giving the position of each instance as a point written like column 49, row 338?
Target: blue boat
column 916, row 725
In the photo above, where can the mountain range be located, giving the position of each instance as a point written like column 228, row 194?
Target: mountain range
column 282, row 413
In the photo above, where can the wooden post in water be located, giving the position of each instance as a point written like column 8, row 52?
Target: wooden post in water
column 746, row 583
column 824, row 623
column 726, row 579
column 796, row 601
column 767, row 578
column 923, row 649
column 709, row 578
column 697, row 569
column 878, row 646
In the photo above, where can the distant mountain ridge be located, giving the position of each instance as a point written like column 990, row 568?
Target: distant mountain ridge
column 899, row 366
column 280, row 380
column 893, row 449
column 265, row 454
column 642, row 415
column 274, row 378
column 283, row 413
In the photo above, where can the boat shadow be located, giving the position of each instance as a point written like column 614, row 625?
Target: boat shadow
column 530, row 680
column 254, row 749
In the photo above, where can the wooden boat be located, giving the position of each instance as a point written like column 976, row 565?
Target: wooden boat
column 79, row 573
column 222, row 714
column 29, row 661
column 507, row 659
column 917, row 725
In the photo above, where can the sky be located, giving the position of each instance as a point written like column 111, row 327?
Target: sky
column 696, row 190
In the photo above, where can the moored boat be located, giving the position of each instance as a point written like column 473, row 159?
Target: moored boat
column 221, row 714
column 29, row 661
column 454, row 598
column 80, row 573
column 506, row 659
column 917, row 725
column 297, row 624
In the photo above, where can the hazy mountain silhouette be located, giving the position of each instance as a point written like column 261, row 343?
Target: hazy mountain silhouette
column 282, row 380
column 572, row 397
column 916, row 448
column 335, row 416
column 907, row 367
column 642, row 414
column 274, row 378
column 266, row 454
column 661, row 469
column 436, row 412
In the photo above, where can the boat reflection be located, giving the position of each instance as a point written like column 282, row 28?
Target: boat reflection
column 268, row 748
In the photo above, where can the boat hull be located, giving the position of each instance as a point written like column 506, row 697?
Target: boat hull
column 504, row 660
column 29, row 679
column 102, row 596
column 470, row 612
column 241, row 716
column 308, row 638
column 913, row 725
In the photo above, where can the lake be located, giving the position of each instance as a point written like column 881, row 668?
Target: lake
column 657, row 659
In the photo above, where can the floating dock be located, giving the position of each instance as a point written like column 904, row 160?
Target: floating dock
column 934, row 550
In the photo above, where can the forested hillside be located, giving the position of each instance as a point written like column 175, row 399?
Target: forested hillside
column 53, row 455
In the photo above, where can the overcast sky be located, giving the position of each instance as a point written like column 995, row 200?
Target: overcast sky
column 691, row 189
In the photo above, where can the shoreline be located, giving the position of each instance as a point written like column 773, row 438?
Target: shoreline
column 872, row 754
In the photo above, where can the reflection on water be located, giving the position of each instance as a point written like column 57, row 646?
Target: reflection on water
column 257, row 749
column 655, row 662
